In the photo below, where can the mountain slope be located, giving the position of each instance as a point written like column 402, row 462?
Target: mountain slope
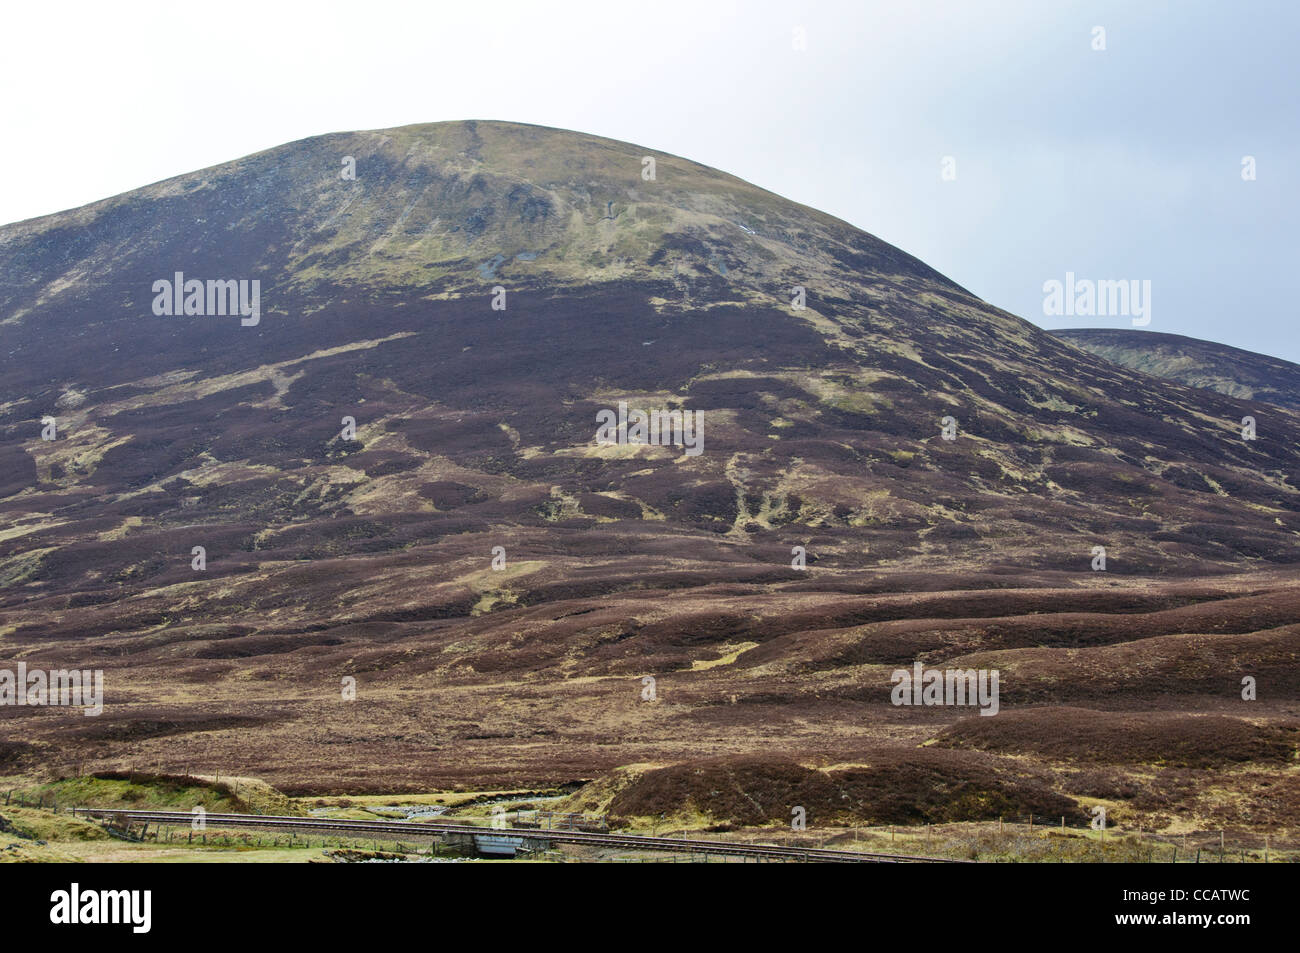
column 1244, row 375
column 475, row 429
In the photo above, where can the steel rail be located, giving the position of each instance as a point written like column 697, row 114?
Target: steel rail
column 442, row 829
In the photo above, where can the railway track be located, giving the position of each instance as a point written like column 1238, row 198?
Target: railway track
column 434, row 829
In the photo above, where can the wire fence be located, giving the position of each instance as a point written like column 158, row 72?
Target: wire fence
column 1161, row 846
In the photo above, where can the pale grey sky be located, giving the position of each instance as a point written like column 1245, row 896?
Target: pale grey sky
column 1115, row 164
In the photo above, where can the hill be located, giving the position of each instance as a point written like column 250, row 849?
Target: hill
column 327, row 558
column 1244, row 375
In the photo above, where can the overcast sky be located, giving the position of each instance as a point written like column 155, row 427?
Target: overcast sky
column 1122, row 163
